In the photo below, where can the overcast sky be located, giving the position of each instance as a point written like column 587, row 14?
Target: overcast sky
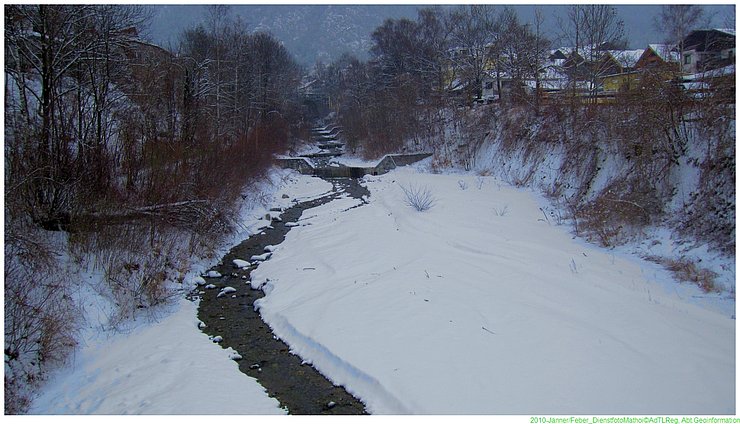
column 170, row 20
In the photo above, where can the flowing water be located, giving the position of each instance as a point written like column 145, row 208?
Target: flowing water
column 297, row 386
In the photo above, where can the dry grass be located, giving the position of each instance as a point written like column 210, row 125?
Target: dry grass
column 686, row 270
column 522, row 178
column 620, row 210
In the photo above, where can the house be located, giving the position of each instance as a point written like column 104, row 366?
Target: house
column 615, row 70
column 489, row 89
column 626, row 70
column 707, row 49
column 626, row 59
column 559, row 54
column 575, row 64
column 663, row 56
column 509, row 85
column 618, row 70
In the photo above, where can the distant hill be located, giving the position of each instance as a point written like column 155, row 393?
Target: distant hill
column 325, row 32
column 309, row 32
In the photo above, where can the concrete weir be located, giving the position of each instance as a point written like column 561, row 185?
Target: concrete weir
column 306, row 166
column 330, row 146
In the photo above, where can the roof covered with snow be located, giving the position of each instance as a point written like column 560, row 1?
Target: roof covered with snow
column 665, row 51
column 627, row 58
column 730, row 31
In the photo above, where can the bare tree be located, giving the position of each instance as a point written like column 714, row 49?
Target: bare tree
column 433, row 35
column 472, row 38
column 531, row 50
column 67, row 133
column 593, row 29
column 217, row 24
column 675, row 21
column 541, row 47
column 603, row 30
column 522, row 52
column 572, row 30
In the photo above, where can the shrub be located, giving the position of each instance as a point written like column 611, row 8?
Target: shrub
column 419, row 198
column 710, row 212
column 41, row 316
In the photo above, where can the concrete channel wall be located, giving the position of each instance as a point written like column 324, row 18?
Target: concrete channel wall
column 389, row 162
column 301, row 165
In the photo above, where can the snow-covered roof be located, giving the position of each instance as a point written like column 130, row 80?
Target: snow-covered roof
column 457, row 84
column 590, row 51
column 558, row 62
column 552, row 73
column 665, row 51
column 587, row 52
column 730, row 31
column 308, row 84
column 491, row 75
column 627, row 58
column 564, row 50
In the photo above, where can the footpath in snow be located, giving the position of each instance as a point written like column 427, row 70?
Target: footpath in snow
column 479, row 306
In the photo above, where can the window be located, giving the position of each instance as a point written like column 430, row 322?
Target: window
column 489, row 85
column 687, row 59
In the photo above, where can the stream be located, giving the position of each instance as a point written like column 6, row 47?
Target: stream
column 296, row 385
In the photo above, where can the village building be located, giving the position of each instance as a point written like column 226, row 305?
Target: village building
column 708, row 49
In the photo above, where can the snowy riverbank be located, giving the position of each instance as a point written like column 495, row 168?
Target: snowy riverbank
column 481, row 306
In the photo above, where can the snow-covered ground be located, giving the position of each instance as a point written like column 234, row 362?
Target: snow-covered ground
column 167, row 367
column 480, row 305
column 164, row 364
column 547, row 169
column 476, row 306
